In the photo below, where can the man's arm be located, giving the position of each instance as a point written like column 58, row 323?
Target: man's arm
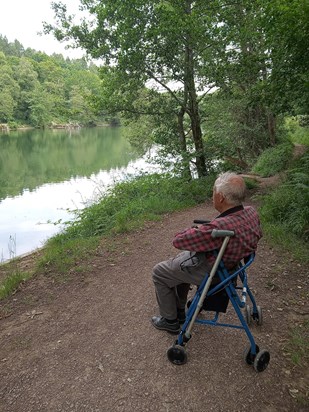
column 197, row 239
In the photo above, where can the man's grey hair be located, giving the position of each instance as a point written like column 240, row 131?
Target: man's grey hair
column 232, row 186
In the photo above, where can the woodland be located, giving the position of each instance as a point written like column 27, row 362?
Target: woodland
column 202, row 80
column 45, row 91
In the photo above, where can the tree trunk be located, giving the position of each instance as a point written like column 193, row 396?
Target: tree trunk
column 193, row 109
column 183, row 145
column 271, row 124
column 193, row 112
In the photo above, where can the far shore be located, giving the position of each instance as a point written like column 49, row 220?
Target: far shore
column 6, row 128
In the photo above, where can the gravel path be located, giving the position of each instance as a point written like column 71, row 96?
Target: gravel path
column 88, row 344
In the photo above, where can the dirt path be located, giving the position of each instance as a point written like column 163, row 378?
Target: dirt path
column 88, row 345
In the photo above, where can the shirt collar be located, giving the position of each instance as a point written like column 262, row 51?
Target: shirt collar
column 231, row 210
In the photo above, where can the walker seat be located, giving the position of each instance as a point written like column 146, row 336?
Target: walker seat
column 215, row 296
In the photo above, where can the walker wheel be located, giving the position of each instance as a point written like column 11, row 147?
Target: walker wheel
column 177, row 355
column 248, row 356
column 248, row 315
column 261, row 361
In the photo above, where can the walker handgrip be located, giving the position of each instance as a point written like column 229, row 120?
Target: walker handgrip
column 222, row 233
column 200, row 221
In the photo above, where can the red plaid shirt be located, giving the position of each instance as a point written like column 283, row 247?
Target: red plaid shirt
column 243, row 221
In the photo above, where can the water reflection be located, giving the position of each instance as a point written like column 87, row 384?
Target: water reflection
column 29, row 159
column 43, row 176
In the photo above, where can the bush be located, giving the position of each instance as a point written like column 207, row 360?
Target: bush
column 274, row 160
column 297, row 129
column 129, row 204
column 288, row 205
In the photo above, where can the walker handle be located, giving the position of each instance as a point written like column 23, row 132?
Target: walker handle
column 222, row 233
column 200, row 221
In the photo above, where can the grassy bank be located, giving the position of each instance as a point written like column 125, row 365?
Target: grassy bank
column 124, row 207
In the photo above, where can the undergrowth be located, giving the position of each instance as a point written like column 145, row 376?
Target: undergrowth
column 124, row 207
column 285, row 211
column 11, row 282
column 274, row 160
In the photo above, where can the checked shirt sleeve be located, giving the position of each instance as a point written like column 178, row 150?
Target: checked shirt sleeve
column 197, row 239
column 246, row 227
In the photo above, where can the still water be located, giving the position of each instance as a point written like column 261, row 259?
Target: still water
column 44, row 175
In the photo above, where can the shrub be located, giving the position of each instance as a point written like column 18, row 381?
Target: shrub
column 274, row 160
column 288, row 205
column 129, row 204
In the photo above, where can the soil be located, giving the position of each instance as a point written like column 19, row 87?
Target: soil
column 85, row 342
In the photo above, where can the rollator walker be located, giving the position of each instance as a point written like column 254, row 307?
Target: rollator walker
column 214, row 294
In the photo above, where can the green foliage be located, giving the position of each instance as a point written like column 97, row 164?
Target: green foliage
column 61, row 254
column 11, row 283
column 157, row 43
column 250, row 183
column 233, row 128
column 298, row 344
column 126, row 206
column 286, row 25
column 274, row 160
column 129, row 204
column 37, row 89
column 296, row 133
column 287, row 207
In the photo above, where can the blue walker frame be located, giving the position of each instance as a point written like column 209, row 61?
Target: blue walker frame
column 253, row 355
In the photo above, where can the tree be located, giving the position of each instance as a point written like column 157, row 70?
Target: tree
column 169, row 43
column 287, row 26
column 244, row 69
column 41, row 106
column 27, row 79
column 9, row 90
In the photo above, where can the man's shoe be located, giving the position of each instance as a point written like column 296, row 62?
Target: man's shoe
column 161, row 323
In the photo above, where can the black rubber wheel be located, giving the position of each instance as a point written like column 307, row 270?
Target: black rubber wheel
column 177, row 355
column 259, row 320
column 248, row 315
column 249, row 358
column 261, row 360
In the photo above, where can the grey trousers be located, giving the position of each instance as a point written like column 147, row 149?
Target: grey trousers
column 172, row 279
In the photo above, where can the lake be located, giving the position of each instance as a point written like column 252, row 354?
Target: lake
column 45, row 174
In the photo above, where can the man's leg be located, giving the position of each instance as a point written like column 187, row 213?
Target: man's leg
column 172, row 279
column 182, row 291
column 167, row 275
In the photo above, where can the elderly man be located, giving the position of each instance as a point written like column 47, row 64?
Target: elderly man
column 172, row 278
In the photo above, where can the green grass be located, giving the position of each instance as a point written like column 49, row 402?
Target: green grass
column 128, row 205
column 274, row 160
column 125, row 207
column 62, row 255
column 298, row 345
column 11, row 283
column 297, row 349
column 285, row 211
